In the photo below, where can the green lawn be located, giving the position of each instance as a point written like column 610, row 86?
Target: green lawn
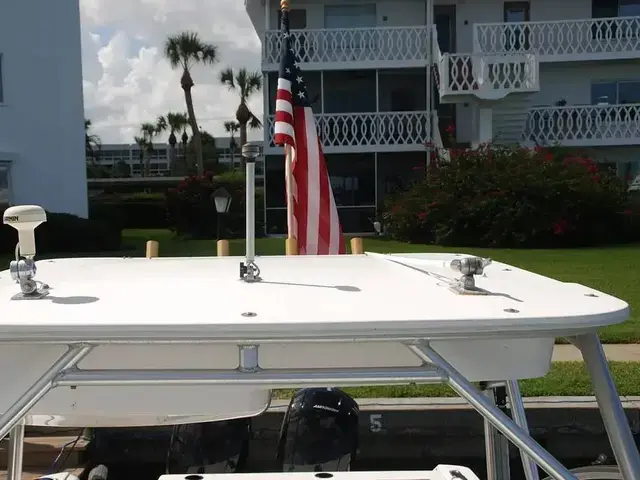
column 608, row 269
column 564, row 379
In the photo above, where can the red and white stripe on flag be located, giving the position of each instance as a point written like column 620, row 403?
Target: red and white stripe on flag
column 316, row 223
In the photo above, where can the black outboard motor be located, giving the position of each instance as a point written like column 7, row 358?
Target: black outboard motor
column 214, row 447
column 319, row 432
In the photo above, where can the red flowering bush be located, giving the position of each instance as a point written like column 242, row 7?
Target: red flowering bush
column 508, row 197
column 191, row 207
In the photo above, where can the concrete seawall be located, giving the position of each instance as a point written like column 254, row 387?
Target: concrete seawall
column 422, row 431
column 414, row 433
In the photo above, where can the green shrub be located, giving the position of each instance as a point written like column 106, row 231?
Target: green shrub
column 140, row 210
column 64, row 233
column 191, row 208
column 510, row 197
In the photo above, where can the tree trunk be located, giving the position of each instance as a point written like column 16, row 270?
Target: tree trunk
column 243, row 140
column 141, row 164
column 172, row 160
column 197, row 139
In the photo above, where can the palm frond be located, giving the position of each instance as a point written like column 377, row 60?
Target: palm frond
column 255, row 122
column 226, row 78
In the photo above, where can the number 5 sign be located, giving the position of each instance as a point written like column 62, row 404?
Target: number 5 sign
column 375, row 422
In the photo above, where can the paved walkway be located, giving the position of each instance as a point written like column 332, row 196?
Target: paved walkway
column 617, row 353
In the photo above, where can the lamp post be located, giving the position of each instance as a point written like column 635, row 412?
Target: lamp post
column 249, row 271
column 222, row 200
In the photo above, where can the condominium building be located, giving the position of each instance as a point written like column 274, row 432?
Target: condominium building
column 42, row 145
column 114, row 156
column 389, row 76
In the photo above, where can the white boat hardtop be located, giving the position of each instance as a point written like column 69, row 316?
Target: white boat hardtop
column 363, row 296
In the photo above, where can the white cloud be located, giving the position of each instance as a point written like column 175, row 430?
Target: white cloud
column 127, row 81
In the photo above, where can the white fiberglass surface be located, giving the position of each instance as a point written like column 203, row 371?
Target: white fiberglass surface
column 441, row 472
column 348, row 295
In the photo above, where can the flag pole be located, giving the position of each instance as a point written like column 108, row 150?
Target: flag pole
column 291, row 245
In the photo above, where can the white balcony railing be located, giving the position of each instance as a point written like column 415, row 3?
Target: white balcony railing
column 587, row 125
column 562, row 40
column 488, row 77
column 383, row 131
column 351, row 47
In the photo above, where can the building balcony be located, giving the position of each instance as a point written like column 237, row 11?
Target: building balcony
column 362, row 132
column 583, row 126
column 485, row 77
column 590, row 39
column 352, row 48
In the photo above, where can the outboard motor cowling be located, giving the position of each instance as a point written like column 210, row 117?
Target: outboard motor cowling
column 212, row 447
column 319, row 432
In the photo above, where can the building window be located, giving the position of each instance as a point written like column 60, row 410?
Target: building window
column 297, row 19
column 350, row 16
column 351, row 91
column 353, row 181
column 1, row 81
column 615, row 8
column 353, row 178
column 629, row 8
column 444, row 18
column 5, row 191
column 620, row 92
column 517, row 12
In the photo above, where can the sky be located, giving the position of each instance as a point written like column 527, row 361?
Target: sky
column 127, row 81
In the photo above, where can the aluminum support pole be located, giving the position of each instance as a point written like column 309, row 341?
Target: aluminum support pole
column 496, row 445
column 520, row 418
column 252, row 377
column 613, row 416
column 39, row 389
column 498, row 419
column 15, row 452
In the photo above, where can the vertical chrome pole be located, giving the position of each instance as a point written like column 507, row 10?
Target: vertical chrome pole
column 613, row 416
column 251, row 210
column 249, row 271
column 496, row 445
column 519, row 416
column 15, row 452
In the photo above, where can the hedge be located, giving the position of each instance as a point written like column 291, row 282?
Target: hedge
column 188, row 208
column 65, row 233
column 499, row 196
column 130, row 210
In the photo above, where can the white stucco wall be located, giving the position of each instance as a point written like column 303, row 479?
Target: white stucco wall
column 42, row 118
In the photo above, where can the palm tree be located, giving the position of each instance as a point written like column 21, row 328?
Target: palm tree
column 184, row 51
column 148, row 131
column 232, row 128
column 246, row 84
column 142, row 147
column 92, row 143
column 174, row 122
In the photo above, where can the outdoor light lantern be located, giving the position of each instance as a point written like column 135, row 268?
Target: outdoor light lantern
column 250, row 151
column 222, row 199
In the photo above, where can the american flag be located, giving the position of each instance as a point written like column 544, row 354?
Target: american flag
column 316, row 225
